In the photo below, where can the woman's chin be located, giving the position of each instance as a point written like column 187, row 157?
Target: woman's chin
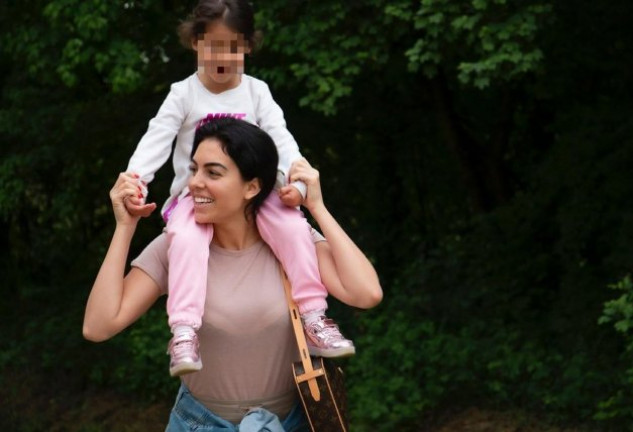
column 201, row 218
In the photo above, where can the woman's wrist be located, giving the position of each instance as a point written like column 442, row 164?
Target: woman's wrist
column 318, row 210
column 125, row 228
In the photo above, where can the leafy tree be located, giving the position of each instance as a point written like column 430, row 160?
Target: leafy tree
column 479, row 151
column 453, row 47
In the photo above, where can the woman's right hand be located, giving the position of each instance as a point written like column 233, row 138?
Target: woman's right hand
column 127, row 188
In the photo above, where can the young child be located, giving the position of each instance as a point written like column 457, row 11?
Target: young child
column 221, row 32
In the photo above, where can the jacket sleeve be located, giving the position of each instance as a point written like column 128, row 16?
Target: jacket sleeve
column 154, row 148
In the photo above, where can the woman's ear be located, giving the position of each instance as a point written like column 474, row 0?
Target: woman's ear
column 252, row 188
column 194, row 44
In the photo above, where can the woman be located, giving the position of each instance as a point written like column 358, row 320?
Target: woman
column 246, row 341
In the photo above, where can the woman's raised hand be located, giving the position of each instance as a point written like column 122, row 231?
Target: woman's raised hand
column 127, row 188
column 301, row 170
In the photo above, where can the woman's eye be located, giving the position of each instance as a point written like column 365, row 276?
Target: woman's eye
column 192, row 169
column 213, row 173
column 233, row 47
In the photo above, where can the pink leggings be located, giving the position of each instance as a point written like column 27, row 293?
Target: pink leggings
column 283, row 228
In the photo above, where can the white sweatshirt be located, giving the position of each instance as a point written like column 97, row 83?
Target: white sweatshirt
column 187, row 103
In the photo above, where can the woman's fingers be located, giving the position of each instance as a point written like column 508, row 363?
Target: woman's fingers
column 304, row 172
column 126, row 186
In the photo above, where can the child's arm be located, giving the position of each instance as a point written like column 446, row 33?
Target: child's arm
column 345, row 270
column 154, row 148
column 116, row 301
column 270, row 118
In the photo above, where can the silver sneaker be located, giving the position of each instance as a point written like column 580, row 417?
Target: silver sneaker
column 325, row 339
column 184, row 354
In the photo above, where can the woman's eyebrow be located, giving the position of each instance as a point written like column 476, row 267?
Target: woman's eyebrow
column 215, row 165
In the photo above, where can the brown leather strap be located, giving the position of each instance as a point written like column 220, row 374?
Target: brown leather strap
column 309, row 373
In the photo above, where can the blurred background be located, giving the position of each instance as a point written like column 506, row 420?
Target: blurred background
column 479, row 151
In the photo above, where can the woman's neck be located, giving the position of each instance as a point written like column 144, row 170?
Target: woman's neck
column 235, row 236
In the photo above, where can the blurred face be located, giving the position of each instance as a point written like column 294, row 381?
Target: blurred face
column 219, row 193
column 220, row 56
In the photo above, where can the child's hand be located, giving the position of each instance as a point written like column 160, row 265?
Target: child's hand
column 136, row 207
column 135, row 204
column 290, row 196
column 125, row 194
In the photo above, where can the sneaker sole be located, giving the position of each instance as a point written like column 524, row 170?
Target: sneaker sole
column 185, row 368
column 331, row 353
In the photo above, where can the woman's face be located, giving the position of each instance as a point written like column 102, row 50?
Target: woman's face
column 219, row 193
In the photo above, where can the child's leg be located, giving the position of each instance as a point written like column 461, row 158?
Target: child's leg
column 188, row 257
column 288, row 234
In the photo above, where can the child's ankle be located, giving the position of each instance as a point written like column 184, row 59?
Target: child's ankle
column 313, row 315
column 181, row 329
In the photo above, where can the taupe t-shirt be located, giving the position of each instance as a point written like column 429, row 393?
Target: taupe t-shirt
column 247, row 343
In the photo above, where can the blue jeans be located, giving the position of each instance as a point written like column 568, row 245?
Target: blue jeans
column 190, row 415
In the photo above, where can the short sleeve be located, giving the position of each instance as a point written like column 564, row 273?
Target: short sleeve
column 153, row 261
column 316, row 236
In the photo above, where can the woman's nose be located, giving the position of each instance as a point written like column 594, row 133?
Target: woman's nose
column 194, row 181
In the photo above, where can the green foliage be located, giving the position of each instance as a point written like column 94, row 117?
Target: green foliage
column 78, row 43
column 328, row 44
column 487, row 40
column 413, row 362
column 619, row 313
column 478, row 151
column 142, row 365
column 320, row 42
column 503, row 308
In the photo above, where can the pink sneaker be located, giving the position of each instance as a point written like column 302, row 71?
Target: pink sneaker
column 325, row 339
column 184, row 354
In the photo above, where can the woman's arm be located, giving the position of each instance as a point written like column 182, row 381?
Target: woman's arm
column 345, row 270
column 116, row 301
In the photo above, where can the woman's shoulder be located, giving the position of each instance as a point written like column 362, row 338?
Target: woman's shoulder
column 155, row 250
column 153, row 260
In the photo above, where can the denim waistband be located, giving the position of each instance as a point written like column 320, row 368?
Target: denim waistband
column 233, row 411
column 190, row 414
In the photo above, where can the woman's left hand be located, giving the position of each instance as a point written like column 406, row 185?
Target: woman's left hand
column 301, row 170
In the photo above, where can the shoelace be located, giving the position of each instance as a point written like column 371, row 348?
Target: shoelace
column 330, row 332
column 183, row 347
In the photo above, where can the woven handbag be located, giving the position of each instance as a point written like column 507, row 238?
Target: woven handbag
column 319, row 381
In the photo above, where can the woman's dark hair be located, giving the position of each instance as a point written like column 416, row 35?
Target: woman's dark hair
column 236, row 14
column 252, row 150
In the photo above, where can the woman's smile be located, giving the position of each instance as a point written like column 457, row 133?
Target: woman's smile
column 198, row 200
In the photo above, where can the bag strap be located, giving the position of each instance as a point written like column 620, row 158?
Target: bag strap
column 309, row 373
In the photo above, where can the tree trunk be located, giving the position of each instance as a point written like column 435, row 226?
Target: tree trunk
column 481, row 166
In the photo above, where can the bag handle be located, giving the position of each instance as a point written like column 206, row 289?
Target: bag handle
column 309, row 373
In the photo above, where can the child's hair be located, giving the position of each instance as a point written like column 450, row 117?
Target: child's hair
column 236, row 14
